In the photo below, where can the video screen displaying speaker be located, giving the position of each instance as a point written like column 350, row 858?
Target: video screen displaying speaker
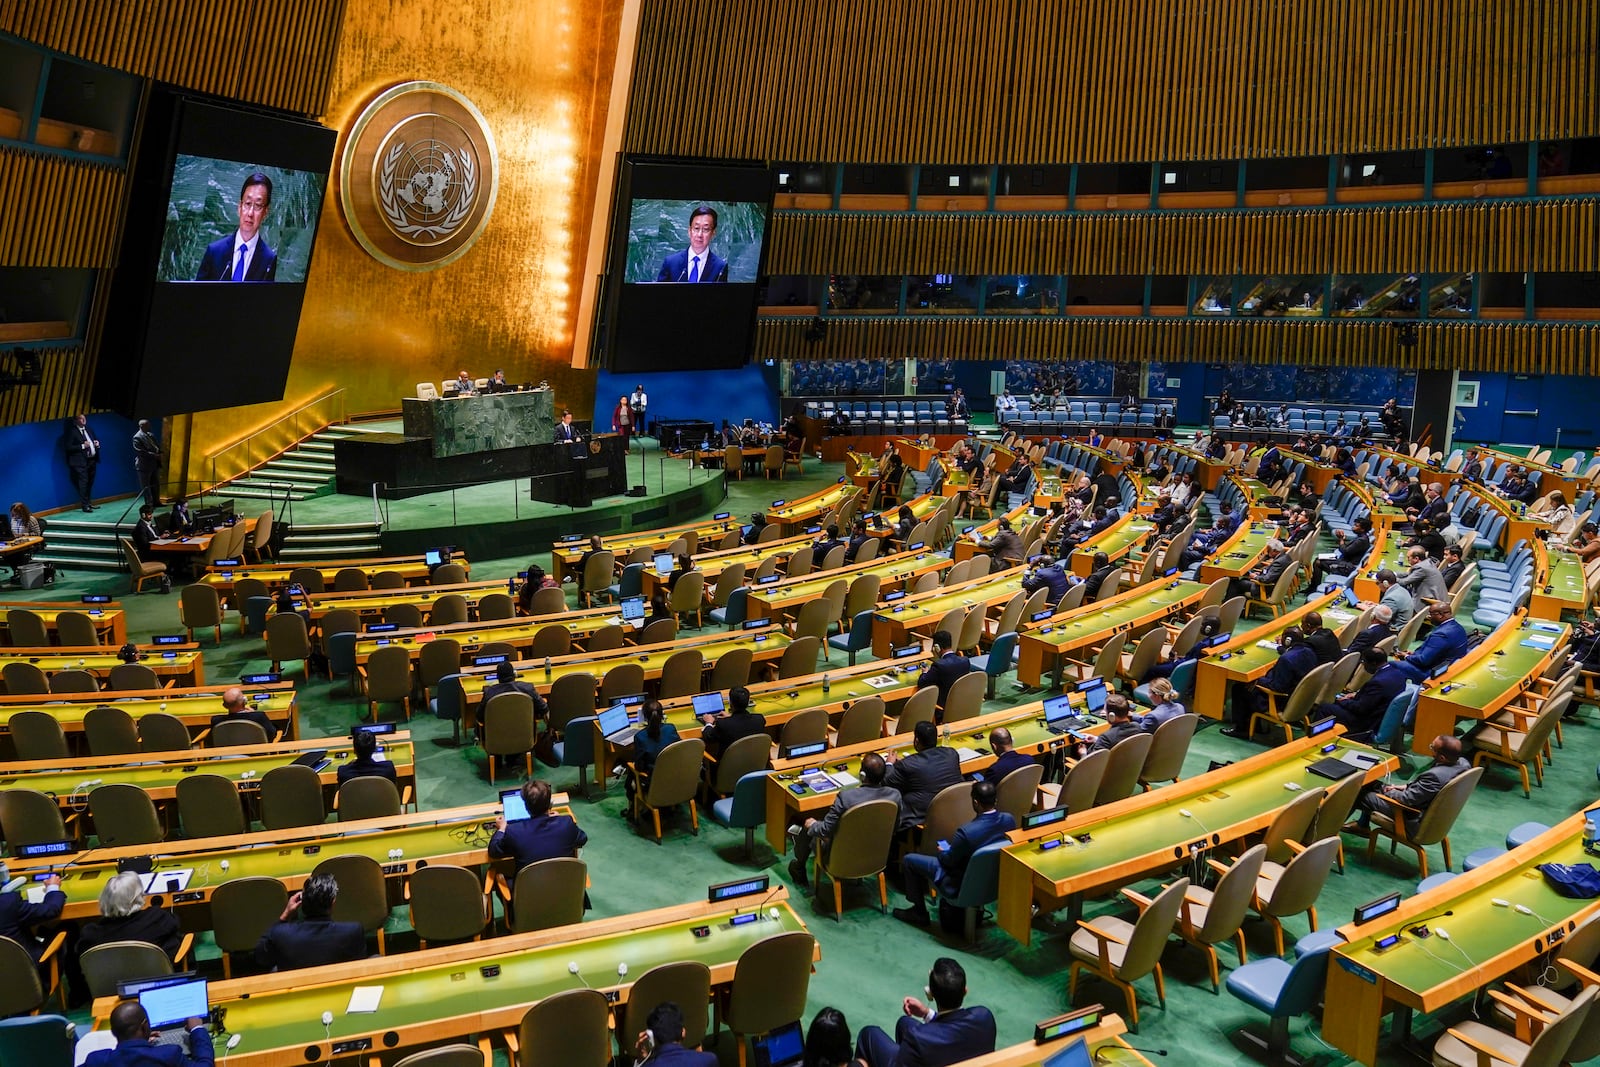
column 222, row 219
column 685, row 256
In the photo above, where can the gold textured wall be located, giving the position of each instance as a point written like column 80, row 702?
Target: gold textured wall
column 540, row 72
column 1046, row 81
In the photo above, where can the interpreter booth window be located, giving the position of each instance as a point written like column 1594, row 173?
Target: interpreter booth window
column 1566, row 295
column 1502, row 295
column 1369, row 176
column 1105, row 294
column 797, row 291
column 1168, row 294
column 1214, row 297
column 942, row 294
column 1030, row 181
column 1113, row 186
column 864, row 294
column 1281, row 296
column 1376, row 296
column 1481, row 170
column 1022, row 294
column 1301, row 180
column 803, row 186
column 947, row 188
column 1450, row 296
column 875, row 187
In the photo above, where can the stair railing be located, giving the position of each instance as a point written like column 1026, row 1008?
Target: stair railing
column 261, row 444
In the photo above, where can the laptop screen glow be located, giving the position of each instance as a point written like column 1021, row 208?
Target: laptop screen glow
column 663, row 563
column 613, row 719
column 708, row 703
column 169, row 1004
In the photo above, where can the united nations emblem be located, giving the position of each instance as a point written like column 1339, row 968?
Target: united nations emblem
column 418, row 177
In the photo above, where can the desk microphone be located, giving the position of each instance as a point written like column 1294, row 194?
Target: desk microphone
column 572, row 969
column 1104, row 1052
column 1524, row 909
column 1436, row 915
column 1187, row 814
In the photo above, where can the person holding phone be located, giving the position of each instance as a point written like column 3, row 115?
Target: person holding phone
column 661, row 1042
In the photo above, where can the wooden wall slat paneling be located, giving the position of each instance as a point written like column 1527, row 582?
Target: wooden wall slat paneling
column 1546, row 235
column 1509, row 347
column 1101, row 80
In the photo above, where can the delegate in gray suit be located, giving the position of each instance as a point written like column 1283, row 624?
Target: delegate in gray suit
column 1423, row 581
column 873, row 772
column 1418, row 793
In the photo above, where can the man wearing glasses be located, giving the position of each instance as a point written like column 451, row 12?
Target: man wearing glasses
column 697, row 263
column 244, row 256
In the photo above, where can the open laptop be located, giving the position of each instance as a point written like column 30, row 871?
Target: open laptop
column 663, row 562
column 616, row 727
column 633, row 611
column 708, row 704
column 783, row 1047
column 171, row 1002
column 512, row 805
column 316, row 759
column 1060, row 716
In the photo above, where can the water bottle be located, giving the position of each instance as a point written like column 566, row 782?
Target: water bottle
column 1590, row 831
column 824, row 684
column 547, row 668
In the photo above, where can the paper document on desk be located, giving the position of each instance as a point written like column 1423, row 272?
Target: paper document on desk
column 845, row 779
column 818, row 782
column 1540, row 641
column 883, row 681
column 364, row 999
column 35, row 894
column 966, row 754
column 1272, row 645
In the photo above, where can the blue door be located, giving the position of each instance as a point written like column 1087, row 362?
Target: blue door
column 1519, row 423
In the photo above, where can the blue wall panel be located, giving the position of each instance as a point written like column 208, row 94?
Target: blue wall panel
column 35, row 468
column 745, row 393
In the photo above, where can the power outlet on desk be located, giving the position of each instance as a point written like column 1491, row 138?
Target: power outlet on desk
column 490, row 970
column 358, row 1044
column 395, row 868
column 613, row 996
column 185, row 898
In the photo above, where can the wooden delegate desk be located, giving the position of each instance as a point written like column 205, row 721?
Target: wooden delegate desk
column 1559, row 583
column 1240, row 552
column 19, row 546
column 896, row 572
column 1387, row 552
column 441, row 994
column 1382, row 513
column 158, row 773
column 1487, row 942
column 414, row 569
column 472, row 636
column 1550, row 477
column 1042, row 645
column 712, row 564
column 193, row 707
column 1116, row 541
column 795, row 515
column 1319, row 474
column 1145, row 834
column 1254, row 491
column 565, row 553
column 1102, row 1040
column 765, row 645
column 970, row 543
column 374, row 601
column 110, row 620
column 174, row 664
column 1252, row 653
column 778, row 702
column 916, row 617
column 914, row 454
column 197, row 544
column 447, row 835
column 1488, row 678
column 791, row 799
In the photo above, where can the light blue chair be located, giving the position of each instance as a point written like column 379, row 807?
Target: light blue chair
column 1524, row 832
column 980, row 886
column 859, row 637
column 1283, row 991
column 1391, row 731
column 1182, row 679
column 630, row 583
column 576, row 749
column 1000, row 658
column 37, row 1040
column 1434, row 881
column 1317, row 941
column 745, row 808
column 733, row 614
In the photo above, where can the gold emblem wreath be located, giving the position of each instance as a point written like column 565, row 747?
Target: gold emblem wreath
column 395, row 214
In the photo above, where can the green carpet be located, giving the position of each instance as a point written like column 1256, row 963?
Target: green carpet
column 870, row 961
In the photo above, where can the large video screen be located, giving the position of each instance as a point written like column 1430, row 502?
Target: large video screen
column 233, row 222
column 219, row 194
column 688, row 243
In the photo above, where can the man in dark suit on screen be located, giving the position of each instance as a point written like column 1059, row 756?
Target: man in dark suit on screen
column 243, row 256
column 697, row 263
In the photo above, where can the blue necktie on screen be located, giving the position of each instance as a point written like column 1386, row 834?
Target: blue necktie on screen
column 694, row 269
column 238, row 268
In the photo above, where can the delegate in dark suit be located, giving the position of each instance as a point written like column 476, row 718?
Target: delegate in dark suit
column 1004, row 764
column 570, row 445
column 82, row 449
column 358, row 768
column 946, row 869
column 943, row 673
column 139, row 1052
column 250, row 715
column 676, row 268
column 1369, row 638
column 1445, row 643
column 1293, row 664
column 543, row 837
column 18, row 917
column 921, row 775
column 949, row 1037
column 288, row 946
column 154, row 926
column 217, row 264
column 726, row 729
column 1362, row 712
column 675, row 1055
